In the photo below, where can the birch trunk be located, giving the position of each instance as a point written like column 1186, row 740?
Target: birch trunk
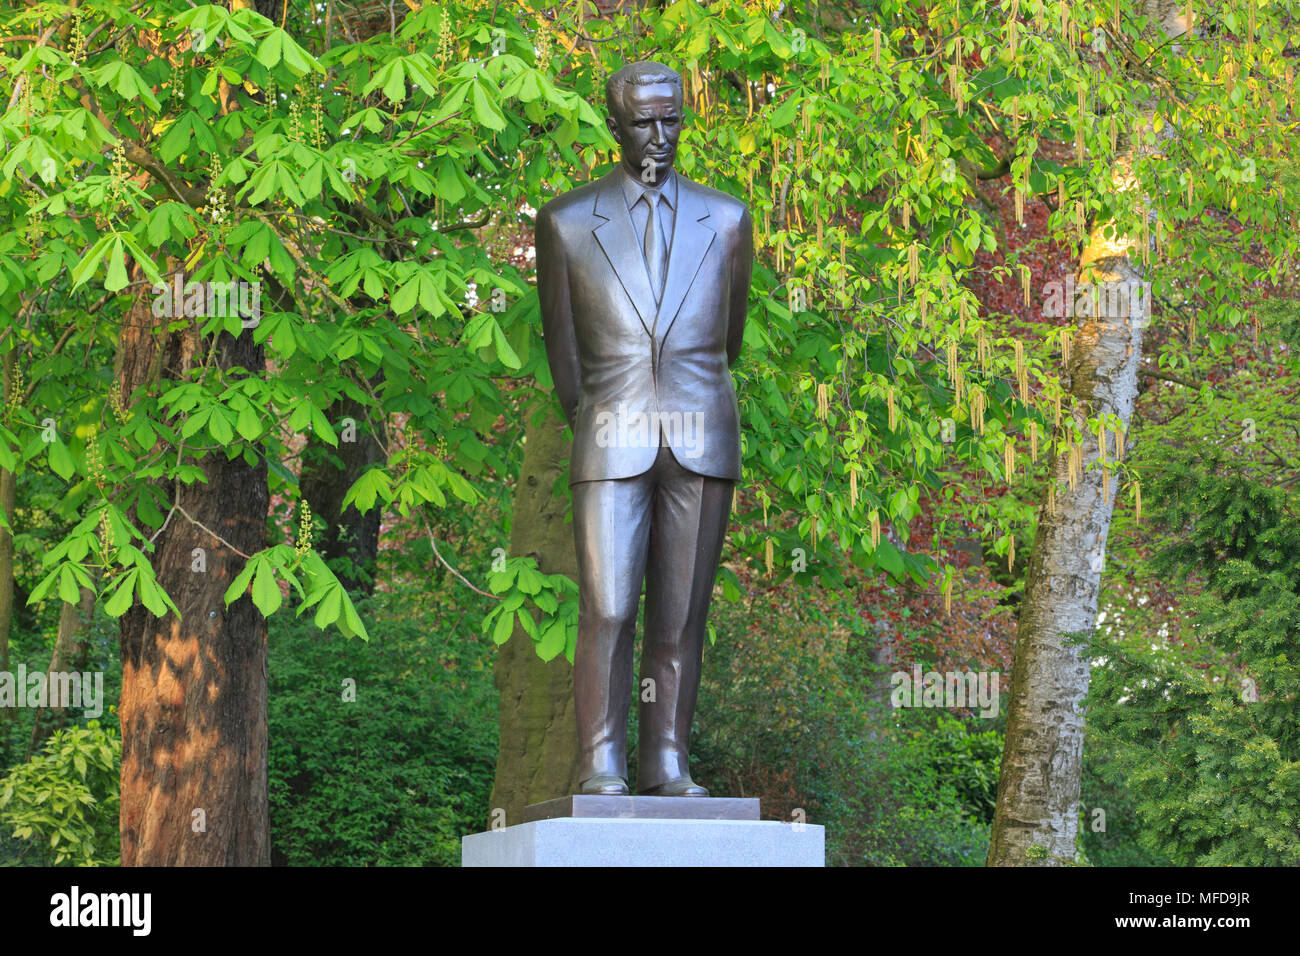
column 1037, row 816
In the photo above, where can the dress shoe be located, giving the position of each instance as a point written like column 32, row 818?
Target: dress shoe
column 681, row 787
column 605, row 785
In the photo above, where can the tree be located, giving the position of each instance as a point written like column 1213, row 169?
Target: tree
column 1036, row 821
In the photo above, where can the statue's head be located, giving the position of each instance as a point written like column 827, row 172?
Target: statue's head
column 644, row 100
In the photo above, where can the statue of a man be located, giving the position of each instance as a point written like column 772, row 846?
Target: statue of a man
column 644, row 281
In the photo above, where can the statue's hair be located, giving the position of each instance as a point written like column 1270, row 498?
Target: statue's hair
column 640, row 73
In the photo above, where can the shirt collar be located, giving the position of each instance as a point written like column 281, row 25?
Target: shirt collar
column 634, row 189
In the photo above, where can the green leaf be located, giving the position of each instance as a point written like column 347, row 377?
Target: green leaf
column 330, row 606
column 266, row 591
column 248, row 424
column 121, row 600
column 61, row 460
column 486, row 110
column 505, row 627
column 552, row 641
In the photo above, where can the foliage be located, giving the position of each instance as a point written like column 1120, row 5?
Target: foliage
column 1209, row 748
column 787, row 714
column 397, row 777
column 64, row 801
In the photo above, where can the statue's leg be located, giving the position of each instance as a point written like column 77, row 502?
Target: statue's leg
column 686, row 537
column 611, row 525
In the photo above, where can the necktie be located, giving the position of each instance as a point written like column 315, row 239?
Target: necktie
column 654, row 244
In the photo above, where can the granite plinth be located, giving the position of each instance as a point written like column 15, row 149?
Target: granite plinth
column 639, row 841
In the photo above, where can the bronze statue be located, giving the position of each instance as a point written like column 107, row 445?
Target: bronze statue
column 644, row 278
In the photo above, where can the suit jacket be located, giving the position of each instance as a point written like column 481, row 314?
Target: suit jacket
column 624, row 368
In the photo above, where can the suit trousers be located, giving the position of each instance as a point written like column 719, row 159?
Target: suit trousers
column 665, row 527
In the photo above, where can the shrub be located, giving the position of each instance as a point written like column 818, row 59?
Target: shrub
column 63, row 803
column 398, row 776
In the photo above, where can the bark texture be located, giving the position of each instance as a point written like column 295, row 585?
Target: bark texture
column 1036, row 820
column 71, row 648
column 537, row 755
column 8, row 495
column 193, row 708
column 327, row 474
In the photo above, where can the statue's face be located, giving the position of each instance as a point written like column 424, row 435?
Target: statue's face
column 647, row 128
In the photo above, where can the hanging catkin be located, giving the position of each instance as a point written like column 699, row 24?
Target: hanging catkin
column 1022, row 371
column 959, row 386
column 907, row 214
column 977, row 409
column 1119, row 442
column 952, row 360
column 1101, row 441
column 874, row 520
column 1033, row 443
column 1020, row 205
column 1009, row 460
column 947, row 595
column 823, row 401
column 889, row 403
column 1056, row 407
column 768, row 555
column 1011, row 552
column 1024, row 281
column 853, row 487
column 914, row 262
column 983, row 350
column 875, row 47
column 1137, row 501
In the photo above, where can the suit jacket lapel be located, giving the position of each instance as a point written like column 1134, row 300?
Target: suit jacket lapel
column 617, row 237
column 692, row 237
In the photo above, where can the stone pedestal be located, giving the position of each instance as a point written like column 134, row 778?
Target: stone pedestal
column 646, row 831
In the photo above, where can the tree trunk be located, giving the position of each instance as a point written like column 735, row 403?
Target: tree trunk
column 71, row 648
column 327, row 474
column 194, row 690
column 1036, row 821
column 537, row 754
column 8, row 496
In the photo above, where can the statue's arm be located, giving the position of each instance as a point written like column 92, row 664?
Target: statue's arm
column 557, row 314
column 741, row 272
